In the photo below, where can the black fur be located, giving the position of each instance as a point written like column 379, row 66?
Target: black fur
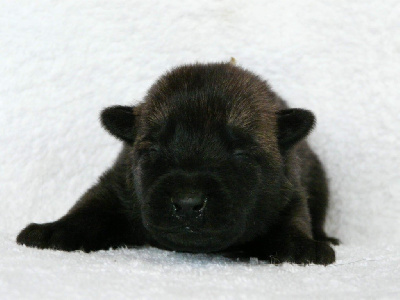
column 213, row 161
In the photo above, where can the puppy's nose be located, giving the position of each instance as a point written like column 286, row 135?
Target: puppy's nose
column 189, row 205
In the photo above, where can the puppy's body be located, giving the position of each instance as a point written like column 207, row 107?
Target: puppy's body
column 213, row 161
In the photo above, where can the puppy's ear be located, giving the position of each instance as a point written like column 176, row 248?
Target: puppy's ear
column 294, row 125
column 120, row 122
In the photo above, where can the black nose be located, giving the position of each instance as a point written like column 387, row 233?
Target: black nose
column 189, row 205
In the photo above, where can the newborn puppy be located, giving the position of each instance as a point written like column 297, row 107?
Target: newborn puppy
column 213, row 161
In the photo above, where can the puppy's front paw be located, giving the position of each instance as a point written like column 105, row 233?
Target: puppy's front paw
column 50, row 235
column 308, row 251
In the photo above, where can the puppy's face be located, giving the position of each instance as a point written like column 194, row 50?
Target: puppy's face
column 206, row 163
column 198, row 180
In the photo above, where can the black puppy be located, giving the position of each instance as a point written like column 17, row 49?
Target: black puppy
column 213, row 161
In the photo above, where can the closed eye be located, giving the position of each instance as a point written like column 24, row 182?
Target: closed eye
column 147, row 147
column 241, row 154
column 153, row 149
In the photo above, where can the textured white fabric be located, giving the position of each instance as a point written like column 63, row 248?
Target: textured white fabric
column 63, row 61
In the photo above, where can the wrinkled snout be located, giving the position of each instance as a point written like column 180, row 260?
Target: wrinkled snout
column 180, row 199
column 191, row 211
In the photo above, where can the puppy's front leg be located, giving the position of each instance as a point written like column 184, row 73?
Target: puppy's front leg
column 297, row 248
column 286, row 245
column 98, row 221
column 291, row 240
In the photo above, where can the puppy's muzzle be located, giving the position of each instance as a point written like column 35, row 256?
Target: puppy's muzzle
column 189, row 206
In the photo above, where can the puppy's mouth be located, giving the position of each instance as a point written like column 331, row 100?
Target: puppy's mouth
column 191, row 239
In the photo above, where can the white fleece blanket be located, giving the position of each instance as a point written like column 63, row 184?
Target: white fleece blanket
column 63, row 61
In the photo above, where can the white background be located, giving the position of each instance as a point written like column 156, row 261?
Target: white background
column 61, row 62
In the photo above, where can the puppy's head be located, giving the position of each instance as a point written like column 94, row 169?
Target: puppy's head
column 207, row 146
